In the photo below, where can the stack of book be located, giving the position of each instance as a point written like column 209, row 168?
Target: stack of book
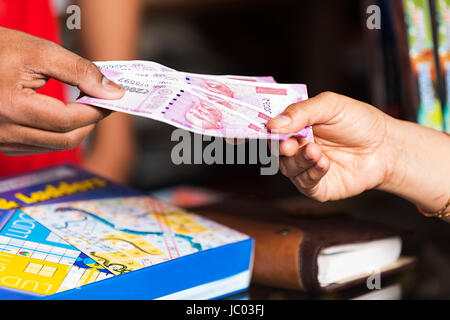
column 414, row 39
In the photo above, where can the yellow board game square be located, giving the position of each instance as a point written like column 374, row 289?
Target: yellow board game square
column 131, row 264
column 130, row 236
column 111, row 236
column 33, row 265
column 48, row 269
column 33, row 268
column 46, row 273
column 118, row 255
column 136, row 253
column 153, row 250
column 142, row 243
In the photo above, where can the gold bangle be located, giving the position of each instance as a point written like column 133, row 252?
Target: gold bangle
column 439, row 214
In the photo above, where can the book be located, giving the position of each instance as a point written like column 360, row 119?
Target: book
column 322, row 254
column 423, row 65
column 443, row 38
column 68, row 234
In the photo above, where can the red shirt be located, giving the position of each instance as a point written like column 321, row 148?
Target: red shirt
column 35, row 17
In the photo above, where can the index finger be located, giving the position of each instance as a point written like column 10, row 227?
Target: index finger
column 72, row 69
column 35, row 110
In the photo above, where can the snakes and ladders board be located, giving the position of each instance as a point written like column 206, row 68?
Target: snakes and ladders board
column 65, row 233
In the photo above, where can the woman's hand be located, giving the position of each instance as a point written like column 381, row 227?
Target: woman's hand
column 357, row 147
column 350, row 153
column 35, row 123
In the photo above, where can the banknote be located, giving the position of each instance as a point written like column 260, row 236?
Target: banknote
column 132, row 66
column 222, row 89
column 221, row 106
column 137, row 66
column 185, row 110
column 259, row 112
column 251, row 79
column 267, row 98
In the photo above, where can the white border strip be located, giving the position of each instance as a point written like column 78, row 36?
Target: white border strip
column 214, row 289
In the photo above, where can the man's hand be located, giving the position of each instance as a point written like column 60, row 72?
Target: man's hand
column 349, row 155
column 34, row 123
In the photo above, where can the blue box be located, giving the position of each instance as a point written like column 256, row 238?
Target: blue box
column 205, row 274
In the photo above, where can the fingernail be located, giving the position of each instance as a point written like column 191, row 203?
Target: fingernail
column 281, row 121
column 110, row 85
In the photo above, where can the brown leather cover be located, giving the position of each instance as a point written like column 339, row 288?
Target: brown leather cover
column 286, row 246
column 276, row 260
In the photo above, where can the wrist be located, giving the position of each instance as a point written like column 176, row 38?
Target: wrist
column 393, row 144
column 416, row 162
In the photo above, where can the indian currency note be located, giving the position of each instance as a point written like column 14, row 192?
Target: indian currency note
column 269, row 99
column 151, row 93
column 143, row 66
column 258, row 102
column 185, row 110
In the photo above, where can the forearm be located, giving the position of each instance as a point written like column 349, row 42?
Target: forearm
column 114, row 148
column 418, row 164
column 110, row 30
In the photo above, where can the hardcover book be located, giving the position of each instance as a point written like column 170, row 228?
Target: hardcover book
column 422, row 62
column 443, row 37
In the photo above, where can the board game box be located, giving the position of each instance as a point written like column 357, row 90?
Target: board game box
column 68, row 234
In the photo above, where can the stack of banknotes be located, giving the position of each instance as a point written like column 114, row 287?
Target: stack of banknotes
column 221, row 106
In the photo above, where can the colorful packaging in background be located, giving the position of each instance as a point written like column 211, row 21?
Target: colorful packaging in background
column 420, row 40
column 443, row 20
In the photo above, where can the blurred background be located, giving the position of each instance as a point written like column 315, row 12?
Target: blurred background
column 324, row 44
column 319, row 43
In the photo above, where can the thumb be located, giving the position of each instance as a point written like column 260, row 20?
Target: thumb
column 74, row 70
column 318, row 110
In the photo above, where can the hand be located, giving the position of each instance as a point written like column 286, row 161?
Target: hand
column 350, row 153
column 35, row 123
